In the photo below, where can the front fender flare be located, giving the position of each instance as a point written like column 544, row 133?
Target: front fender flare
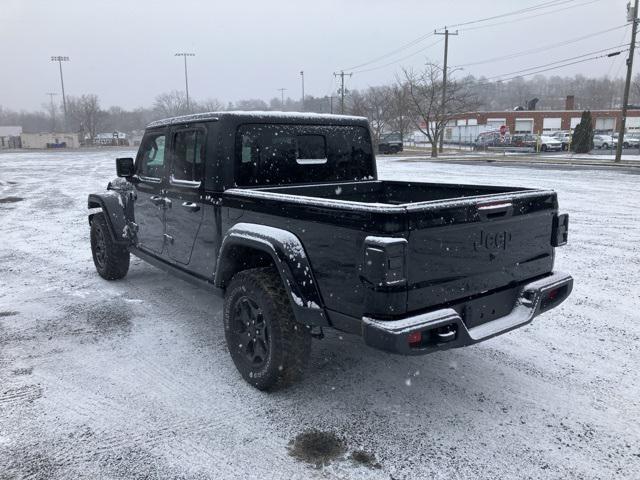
column 290, row 259
column 114, row 208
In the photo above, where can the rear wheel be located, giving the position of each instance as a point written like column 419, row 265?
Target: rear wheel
column 605, row 145
column 268, row 347
column 111, row 260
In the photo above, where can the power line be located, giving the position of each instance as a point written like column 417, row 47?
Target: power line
column 540, row 49
column 530, row 16
column 558, row 61
column 393, row 52
column 610, row 54
column 400, row 59
column 540, row 6
column 547, row 4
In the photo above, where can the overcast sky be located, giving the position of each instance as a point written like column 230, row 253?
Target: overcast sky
column 123, row 50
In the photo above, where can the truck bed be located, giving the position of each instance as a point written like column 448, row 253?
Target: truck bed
column 391, row 193
column 462, row 241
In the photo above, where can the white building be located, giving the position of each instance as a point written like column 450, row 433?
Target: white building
column 113, row 138
column 50, row 140
column 10, row 137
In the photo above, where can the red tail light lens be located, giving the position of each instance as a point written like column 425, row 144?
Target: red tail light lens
column 414, row 339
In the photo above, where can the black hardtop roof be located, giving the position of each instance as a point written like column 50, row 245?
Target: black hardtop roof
column 239, row 117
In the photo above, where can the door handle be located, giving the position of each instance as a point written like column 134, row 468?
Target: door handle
column 190, row 206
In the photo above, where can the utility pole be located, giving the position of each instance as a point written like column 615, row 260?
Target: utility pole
column 632, row 16
column 53, row 111
column 186, row 77
column 61, row 59
column 446, row 34
column 302, row 77
column 282, row 90
column 342, row 90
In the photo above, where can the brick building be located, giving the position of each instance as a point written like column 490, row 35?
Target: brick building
column 548, row 121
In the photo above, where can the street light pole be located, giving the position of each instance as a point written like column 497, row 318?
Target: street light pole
column 302, row 76
column 186, row 76
column 61, row 59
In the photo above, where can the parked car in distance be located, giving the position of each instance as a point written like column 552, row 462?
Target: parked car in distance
column 564, row 138
column 283, row 215
column 549, row 144
column 491, row 139
column 524, row 140
column 604, row 141
column 631, row 140
column 390, row 143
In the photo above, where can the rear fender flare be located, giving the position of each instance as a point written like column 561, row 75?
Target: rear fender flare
column 290, row 259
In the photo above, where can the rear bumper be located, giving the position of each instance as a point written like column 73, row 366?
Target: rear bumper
column 443, row 329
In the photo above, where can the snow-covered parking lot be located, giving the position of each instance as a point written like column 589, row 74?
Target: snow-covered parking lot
column 131, row 379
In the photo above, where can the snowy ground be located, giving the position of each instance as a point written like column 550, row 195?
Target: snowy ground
column 131, row 379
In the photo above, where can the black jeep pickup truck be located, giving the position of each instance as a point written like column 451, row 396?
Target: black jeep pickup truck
column 284, row 216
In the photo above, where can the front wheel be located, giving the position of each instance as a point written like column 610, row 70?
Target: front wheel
column 605, row 146
column 111, row 260
column 543, row 148
column 268, row 347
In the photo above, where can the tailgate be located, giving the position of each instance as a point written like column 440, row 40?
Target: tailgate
column 465, row 248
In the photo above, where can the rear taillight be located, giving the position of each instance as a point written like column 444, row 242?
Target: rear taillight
column 414, row 339
column 384, row 261
column 560, row 230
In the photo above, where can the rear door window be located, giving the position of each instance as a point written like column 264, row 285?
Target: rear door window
column 269, row 154
column 188, row 155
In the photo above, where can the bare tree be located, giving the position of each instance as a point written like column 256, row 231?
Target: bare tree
column 250, row 104
column 171, row 104
column 401, row 118
column 86, row 114
column 356, row 103
column 378, row 110
column 425, row 94
column 208, row 105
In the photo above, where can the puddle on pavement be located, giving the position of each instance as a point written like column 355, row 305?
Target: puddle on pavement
column 11, row 199
column 8, row 313
column 365, row 458
column 316, row 447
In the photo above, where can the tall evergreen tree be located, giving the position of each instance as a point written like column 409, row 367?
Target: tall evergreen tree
column 582, row 138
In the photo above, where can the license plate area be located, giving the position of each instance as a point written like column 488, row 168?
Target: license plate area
column 488, row 307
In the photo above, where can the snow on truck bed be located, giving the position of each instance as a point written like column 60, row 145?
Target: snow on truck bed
column 132, row 379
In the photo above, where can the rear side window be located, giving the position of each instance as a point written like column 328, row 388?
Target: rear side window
column 188, row 155
column 151, row 155
column 270, row 154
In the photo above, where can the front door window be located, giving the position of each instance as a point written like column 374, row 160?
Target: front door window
column 152, row 154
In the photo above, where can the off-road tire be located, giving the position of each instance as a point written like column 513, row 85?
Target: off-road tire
column 111, row 260
column 289, row 343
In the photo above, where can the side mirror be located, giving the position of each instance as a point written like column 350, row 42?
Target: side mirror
column 124, row 167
